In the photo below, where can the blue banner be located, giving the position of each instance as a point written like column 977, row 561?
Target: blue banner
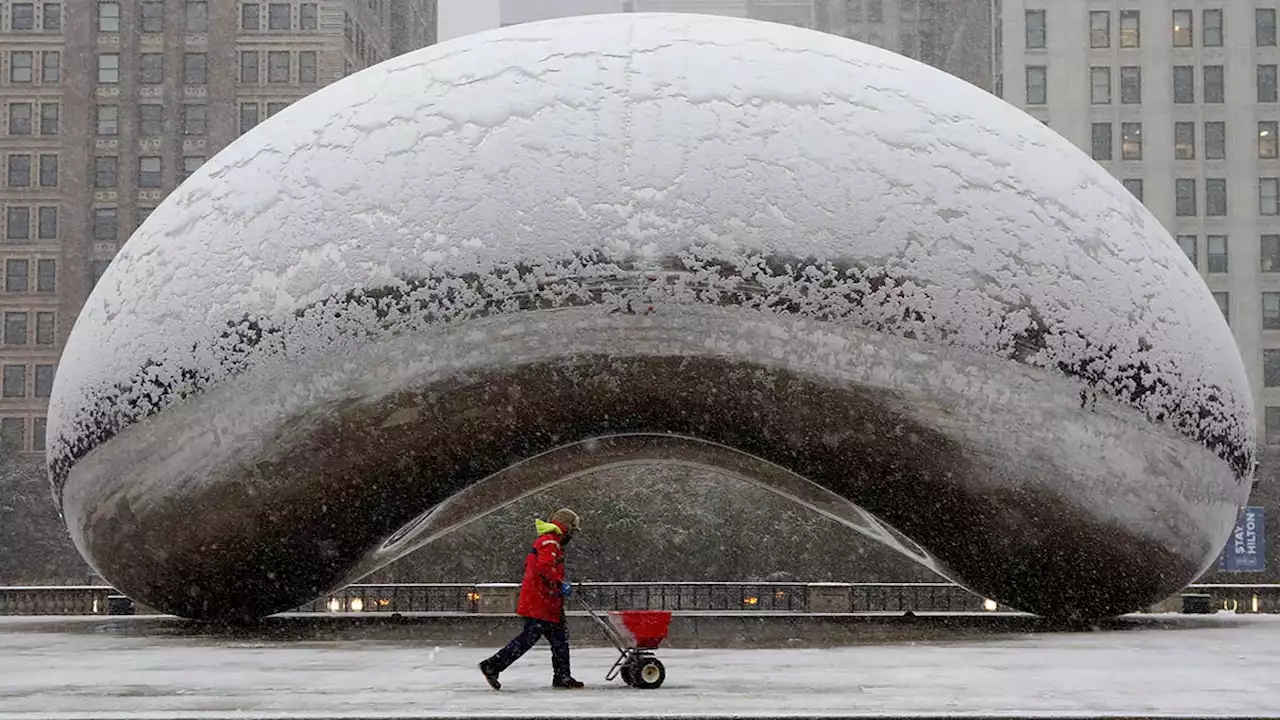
column 1246, row 550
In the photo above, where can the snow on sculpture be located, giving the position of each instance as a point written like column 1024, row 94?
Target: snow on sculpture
column 480, row 268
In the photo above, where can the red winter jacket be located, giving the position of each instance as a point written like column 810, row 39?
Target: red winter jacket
column 540, row 597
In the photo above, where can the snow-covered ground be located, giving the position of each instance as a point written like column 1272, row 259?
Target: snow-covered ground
column 1210, row 666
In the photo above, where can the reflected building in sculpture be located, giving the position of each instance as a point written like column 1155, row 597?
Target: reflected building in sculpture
column 481, row 269
column 952, row 35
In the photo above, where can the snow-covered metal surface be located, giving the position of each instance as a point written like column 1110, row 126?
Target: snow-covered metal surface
column 653, row 186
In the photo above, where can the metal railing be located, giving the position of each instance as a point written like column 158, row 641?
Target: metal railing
column 713, row 597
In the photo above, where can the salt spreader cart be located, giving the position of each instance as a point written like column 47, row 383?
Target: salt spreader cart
column 636, row 634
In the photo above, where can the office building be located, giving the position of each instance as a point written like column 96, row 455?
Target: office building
column 105, row 107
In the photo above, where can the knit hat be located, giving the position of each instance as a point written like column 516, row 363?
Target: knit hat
column 567, row 519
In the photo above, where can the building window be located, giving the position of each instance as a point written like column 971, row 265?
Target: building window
column 51, row 16
column 1184, row 84
column 1035, row 29
column 50, row 117
column 1270, row 371
column 107, row 119
column 108, row 17
column 106, row 223
column 19, row 171
column 1183, row 32
column 307, row 66
column 1131, row 85
column 194, row 119
column 1270, row 253
column 278, row 66
column 1102, row 142
column 20, row 119
column 1131, row 141
column 151, row 16
column 143, row 214
column 150, row 120
column 150, row 172
column 275, row 107
column 97, row 268
column 1190, row 248
column 38, row 429
column 1215, row 200
column 195, row 68
column 47, row 228
column 151, row 68
column 249, row 67
column 248, row 117
column 109, row 68
column 44, row 380
column 15, row 381
column 22, row 16
column 1217, row 253
column 1272, row 420
column 1270, row 311
column 308, row 16
column 250, row 16
column 45, row 325
column 1264, row 22
column 1267, row 84
column 15, row 276
column 279, row 16
column 1100, row 29
column 12, row 434
column 15, row 328
column 17, row 223
column 197, row 16
column 190, row 164
column 1267, row 144
column 1130, row 34
column 51, row 67
column 1184, row 197
column 1269, row 196
column 1100, row 85
column 1215, row 140
column 1134, row 186
column 46, row 275
column 106, row 171
column 1224, row 304
column 1212, row 30
column 21, row 67
column 1037, row 85
column 48, row 171
column 1214, row 84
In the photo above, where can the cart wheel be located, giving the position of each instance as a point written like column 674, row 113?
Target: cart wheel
column 627, row 676
column 648, row 673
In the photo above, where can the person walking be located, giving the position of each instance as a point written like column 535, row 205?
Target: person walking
column 542, row 595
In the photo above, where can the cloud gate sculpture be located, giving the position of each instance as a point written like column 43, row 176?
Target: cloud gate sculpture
column 492, row 265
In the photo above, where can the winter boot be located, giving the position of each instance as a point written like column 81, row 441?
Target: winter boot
column 566, row 683
column 490, row 676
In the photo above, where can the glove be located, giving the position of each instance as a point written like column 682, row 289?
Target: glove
column 566, row 589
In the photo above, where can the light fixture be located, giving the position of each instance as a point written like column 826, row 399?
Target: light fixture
column 357, row 604
column 335, row 605
column 750, row 601
column 990, row 605
column 1255, row 603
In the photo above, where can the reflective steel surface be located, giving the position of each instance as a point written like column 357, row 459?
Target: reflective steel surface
column 483, row 268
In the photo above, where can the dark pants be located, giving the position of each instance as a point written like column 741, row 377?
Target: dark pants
column 556, row 633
